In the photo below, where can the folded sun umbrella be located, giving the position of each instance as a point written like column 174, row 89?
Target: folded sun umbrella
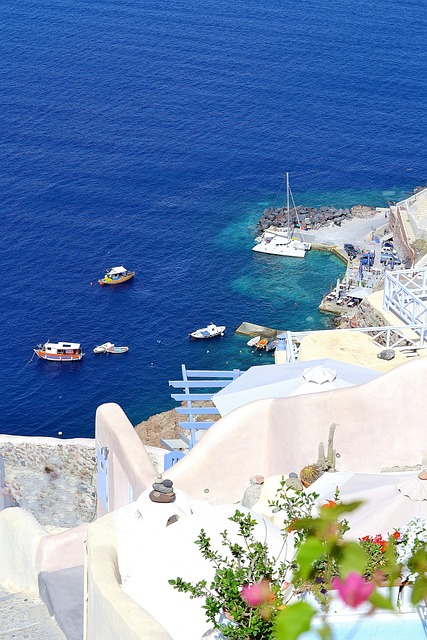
column 294, row 378
column 389, row 500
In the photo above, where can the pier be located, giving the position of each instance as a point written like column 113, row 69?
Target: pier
column 250, row 329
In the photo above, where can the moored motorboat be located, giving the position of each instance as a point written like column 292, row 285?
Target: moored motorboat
column 59, row 351
column 116, row 275
column 211, row 331
column 114, row 349
column 252, row 342
column 262, row 343
column 102, row 348
column 271, row 346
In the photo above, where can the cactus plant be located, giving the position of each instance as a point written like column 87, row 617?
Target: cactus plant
column 309, row 474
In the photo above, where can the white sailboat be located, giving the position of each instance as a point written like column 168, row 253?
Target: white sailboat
column 278, row 241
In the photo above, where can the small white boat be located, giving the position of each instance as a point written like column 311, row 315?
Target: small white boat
column 253, row 341
column 102, row 348
column 114, row 349
column 211, row 331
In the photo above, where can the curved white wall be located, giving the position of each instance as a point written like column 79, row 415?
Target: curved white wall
column 380, row 424
column 111, row 614
column 20, row 537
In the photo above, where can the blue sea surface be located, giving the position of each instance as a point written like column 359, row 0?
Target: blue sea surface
column 153, row 134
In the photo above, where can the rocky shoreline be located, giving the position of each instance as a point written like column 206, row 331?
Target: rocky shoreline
column 312, row 218
column 165, row 425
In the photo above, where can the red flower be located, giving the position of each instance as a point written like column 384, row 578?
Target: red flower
column 396, row 535
column 328, row 504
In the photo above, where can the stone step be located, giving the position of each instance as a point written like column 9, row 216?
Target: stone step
column 26, row 617
column 408, row 226
column 63, row 593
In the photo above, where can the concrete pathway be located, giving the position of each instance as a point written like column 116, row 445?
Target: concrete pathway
column 356, row 231
column 25, row 617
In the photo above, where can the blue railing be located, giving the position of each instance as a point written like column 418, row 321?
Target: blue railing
column 196, row 385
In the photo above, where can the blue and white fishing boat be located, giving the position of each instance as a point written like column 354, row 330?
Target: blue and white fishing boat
column 211, row 331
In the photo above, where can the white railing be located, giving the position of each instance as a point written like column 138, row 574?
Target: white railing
column 408, row 337
column 405, row 293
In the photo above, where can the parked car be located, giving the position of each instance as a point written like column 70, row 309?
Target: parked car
column 390, row 258
column 351, row 250
column 368, row 258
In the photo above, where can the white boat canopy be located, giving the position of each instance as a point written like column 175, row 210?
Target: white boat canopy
column 115, row 271
column 63, row 345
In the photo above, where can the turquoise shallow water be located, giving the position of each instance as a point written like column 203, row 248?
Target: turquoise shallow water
column 153, row 135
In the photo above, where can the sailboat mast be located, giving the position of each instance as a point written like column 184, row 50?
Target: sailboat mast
column 287, row 201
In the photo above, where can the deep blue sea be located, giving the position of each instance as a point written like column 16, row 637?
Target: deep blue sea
column 153, row 134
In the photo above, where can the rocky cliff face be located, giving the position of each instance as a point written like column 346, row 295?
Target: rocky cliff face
column 161, row 425
column 165, row 425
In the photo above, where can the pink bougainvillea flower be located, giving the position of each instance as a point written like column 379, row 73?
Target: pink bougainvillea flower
column 353, row 590
column 258, row 593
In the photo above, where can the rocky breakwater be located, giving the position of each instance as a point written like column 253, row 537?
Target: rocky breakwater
column 312, row 218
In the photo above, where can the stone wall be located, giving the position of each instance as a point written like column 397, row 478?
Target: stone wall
column 405, row 251
column 365, row 315
column 55, row 482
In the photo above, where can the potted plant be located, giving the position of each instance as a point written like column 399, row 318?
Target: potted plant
column 250, row 597
column 248, row 589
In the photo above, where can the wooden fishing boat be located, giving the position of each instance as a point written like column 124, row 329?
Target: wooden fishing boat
column 59, row 351
column 262, row 343
column 114, row 349
column 116, row 275
column 102, row 348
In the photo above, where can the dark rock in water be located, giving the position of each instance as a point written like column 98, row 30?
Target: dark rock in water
column 386, row 354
